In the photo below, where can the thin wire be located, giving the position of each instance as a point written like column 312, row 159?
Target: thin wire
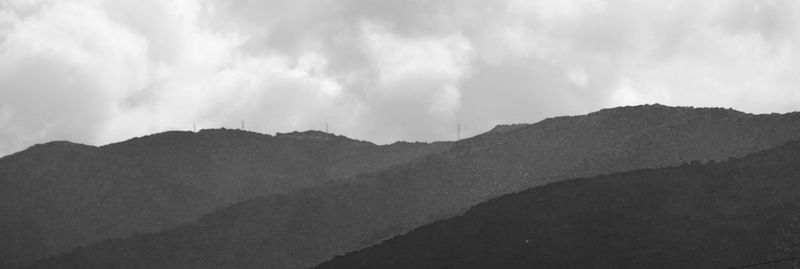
column 766, row 262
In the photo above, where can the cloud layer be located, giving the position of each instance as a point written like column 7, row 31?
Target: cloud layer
column 102, row 71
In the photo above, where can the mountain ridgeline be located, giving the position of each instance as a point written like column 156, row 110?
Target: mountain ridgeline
column 717, row 215
column 60, row 195
column 304, row 228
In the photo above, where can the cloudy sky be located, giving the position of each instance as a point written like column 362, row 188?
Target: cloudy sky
column 96, row 71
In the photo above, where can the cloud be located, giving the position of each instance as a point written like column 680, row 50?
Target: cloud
column 61, row 70
column 415, row 78
column 97, row 71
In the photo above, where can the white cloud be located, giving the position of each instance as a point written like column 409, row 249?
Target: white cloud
column 578, row 77
column 399, row 59
column 414, row 85
column 98, row 71
column 61, row 72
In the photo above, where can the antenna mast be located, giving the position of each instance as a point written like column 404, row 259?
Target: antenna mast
column 242, row 124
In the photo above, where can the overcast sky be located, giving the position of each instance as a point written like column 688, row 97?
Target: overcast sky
column 97, row 72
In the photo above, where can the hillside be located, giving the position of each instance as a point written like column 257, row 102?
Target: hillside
column 59, row 195
column 719, row 215
column 302, row 229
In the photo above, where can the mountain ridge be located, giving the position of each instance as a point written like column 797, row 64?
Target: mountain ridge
column 315, row 224
column 64, row 194
column 693, row 215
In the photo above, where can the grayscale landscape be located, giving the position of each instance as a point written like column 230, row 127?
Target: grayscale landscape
column 399, row 134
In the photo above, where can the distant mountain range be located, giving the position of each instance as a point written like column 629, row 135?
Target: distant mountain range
column 60, row 195
column 304, row 228
column 718, row 215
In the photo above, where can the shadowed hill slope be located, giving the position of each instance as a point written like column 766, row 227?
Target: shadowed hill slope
column 302, row 229
column 721, row 215
column 60, row 195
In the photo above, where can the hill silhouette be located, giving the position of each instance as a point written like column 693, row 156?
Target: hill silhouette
column 717, row 215
column 302, row 229
column 59, row 195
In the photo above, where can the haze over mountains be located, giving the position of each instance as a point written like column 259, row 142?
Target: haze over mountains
column 60, row 195
column 720, row 215
column 304, row 228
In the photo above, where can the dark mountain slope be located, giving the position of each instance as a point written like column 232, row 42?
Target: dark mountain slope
column 60, row 195
column 304, row 228
column 737, row 212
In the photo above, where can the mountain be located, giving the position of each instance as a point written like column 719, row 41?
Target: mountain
column 717, row 215
column 305, row 228
column 59, row 195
